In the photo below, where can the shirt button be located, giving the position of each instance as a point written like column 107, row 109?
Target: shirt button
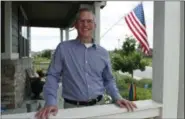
column 86, row 62
column 88, row 86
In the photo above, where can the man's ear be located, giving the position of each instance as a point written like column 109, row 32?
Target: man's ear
column 75, row 25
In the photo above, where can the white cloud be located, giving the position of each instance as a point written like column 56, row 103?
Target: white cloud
column 49, row 38
column 44, row 38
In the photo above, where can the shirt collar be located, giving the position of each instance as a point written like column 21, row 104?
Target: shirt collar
column 93, row 42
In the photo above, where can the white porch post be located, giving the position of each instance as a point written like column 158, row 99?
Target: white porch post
column 8, row 54
column 67, row 33
column 8, row 30
column 97, row 19
column 158, row 52
column 167, row 58
column 61, row 35
column 180, row 111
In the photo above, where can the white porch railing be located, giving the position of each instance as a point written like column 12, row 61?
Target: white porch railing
column 146, row 109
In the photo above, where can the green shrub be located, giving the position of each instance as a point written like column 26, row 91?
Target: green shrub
column 120, row 81
column 130, row 80
column 143, row 94
column 141, row 83
column 124, row 81
column 124, row 93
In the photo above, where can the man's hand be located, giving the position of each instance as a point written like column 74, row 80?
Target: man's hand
column 46, row 111
column 123, row 103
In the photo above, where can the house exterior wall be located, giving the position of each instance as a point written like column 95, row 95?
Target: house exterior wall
column 13, row 75
column 13, row 80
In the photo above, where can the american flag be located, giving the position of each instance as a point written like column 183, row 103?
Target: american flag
column 136, row 23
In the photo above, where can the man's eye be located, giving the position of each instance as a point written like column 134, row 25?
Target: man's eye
column 88, row 21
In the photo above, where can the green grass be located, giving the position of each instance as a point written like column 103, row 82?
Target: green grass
column 149, row 60
column 124, row 81
column 40, row 66
column 41, row 63
column 41, row 59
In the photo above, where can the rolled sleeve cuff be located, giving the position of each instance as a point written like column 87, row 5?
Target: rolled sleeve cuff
column 50, row 101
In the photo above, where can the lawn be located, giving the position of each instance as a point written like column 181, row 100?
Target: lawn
column 41, row 63
column 149, row 60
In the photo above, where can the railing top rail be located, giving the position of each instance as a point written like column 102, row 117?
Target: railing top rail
column 93, row 111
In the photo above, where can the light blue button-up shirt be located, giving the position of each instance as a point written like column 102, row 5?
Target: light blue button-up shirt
column 86, row 73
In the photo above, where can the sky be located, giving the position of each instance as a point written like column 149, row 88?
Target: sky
column 49, row 38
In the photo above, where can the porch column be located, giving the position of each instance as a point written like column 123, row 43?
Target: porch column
column 180, row 111
column 168, row 62
column 61, row 35
column 67, row 33
column 8, row 28
column 97, row 20
column 8, row 33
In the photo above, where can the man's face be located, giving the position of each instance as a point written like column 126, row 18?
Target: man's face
column 85, row 24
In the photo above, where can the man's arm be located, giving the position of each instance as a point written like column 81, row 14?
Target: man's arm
column 53, row 76
column 109, row 81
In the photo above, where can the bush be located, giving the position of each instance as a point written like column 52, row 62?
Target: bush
column 124, row 93
column 142, row 82
column 122, row 85
column 143, row 94
column 124, row 81
column 120, row 81
column 130, row 80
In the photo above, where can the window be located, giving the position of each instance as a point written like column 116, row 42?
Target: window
column 23, row 34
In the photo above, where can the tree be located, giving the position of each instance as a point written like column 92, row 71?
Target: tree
column 128, row 58
column 46, row 53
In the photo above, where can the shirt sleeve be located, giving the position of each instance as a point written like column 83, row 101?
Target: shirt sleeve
column 109, row 81
column 53, row 77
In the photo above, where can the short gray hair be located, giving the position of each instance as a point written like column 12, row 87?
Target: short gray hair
column 84, row 10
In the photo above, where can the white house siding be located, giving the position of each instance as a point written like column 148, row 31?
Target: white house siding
column 13, row 75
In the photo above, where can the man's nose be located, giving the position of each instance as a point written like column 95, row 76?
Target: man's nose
column 85, row 23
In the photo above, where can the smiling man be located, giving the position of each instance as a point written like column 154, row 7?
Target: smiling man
column 85, row 69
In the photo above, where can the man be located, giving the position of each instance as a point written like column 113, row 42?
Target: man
column 86, row 71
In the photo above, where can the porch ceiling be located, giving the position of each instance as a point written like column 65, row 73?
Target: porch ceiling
column 52, row 13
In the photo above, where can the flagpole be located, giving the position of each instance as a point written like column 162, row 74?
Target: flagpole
column 112, row 26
